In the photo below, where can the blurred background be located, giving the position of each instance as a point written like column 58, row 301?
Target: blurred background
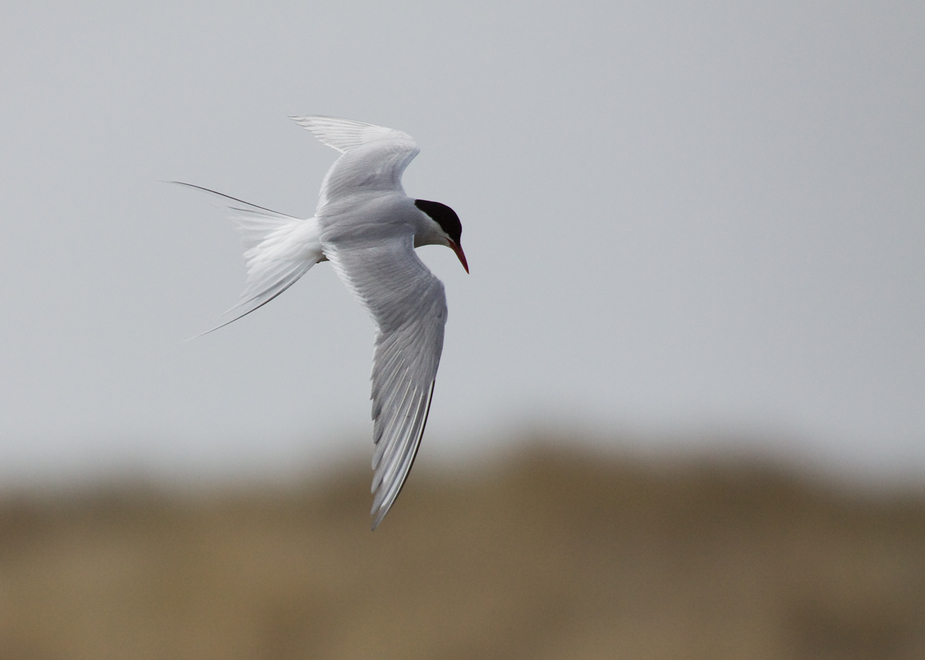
column 696, row 242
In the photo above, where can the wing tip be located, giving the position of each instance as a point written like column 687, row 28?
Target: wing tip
column 383, row 501
column 344, row 135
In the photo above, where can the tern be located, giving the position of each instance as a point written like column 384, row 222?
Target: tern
column 367, row 227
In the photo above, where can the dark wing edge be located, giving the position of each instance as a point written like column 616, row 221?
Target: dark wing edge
column 388, row 493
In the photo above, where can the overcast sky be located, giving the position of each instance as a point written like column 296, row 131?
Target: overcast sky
column 680, row 218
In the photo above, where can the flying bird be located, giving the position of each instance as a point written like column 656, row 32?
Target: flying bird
column 367, row 227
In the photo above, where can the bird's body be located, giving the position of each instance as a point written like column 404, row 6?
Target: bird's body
column 367, row 228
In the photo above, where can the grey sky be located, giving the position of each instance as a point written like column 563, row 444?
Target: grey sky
column 678, row 217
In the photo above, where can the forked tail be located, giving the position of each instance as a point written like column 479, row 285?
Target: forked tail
column 278, row 250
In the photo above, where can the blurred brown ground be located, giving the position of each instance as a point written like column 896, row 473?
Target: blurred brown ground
column 549, row 555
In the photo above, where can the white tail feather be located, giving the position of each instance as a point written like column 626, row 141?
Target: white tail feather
column 279, row 249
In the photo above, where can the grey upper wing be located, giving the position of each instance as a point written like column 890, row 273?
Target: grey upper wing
column 408, row 304
column 373, row 159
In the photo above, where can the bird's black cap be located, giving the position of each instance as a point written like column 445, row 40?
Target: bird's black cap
column 444, row 216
